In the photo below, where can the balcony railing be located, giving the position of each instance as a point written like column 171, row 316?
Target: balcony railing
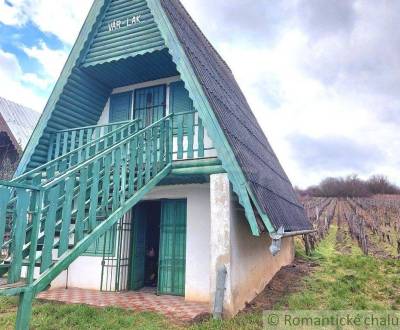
column 62, row 142
column 190, row 140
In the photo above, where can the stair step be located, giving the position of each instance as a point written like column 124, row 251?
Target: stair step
column 5, row 285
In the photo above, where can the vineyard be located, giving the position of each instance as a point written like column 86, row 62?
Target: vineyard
column 374, row 223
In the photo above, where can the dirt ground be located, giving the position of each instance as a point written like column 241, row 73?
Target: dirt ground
column 286, row 281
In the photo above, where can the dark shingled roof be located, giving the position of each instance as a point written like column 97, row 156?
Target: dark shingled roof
column 261, row 167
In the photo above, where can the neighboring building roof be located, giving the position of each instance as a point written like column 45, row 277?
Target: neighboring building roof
column 261, row 167
column 18, row 121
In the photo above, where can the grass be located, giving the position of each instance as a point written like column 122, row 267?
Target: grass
column 61, row 316
column 341, row 281
column 347, row 281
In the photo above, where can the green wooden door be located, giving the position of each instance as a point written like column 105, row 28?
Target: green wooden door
column 149, row 105
column 172, row 258
column 120, row 107
column 138, row 248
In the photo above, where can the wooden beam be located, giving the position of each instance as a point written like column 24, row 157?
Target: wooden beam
column 199, row 170
column 196, row 163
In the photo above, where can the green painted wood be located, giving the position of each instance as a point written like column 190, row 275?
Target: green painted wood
column 73, row 146
column 170, row 145
column 49, row 229
column 24, row 310
column 79, row 153
column 51, row 148
column 80, row 144
column 106, row 184
column 132, row 166
column 18, row 235
column 138, row 248
column 57, row 146
column 190, row 135
column 140, row 162
column 148, row 145
column 155, row 150
column 162, row 144
column 37, row 204
column 79, row 227
column 13, row 290
column 200, row 138
column 65, row 141
column 116, row 177
column 122, row 195
column 196, row 162
column 5, row 195
column 203, row 170
column 129, row 40
column 66, row 216
column 89, row 138
column 94, row 189
column 172, row 257
column 179, row 120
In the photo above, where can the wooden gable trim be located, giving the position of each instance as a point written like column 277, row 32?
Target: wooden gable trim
column 200, row 100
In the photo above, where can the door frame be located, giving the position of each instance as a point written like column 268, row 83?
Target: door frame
column 165, row 99
column 132, row 245
column 183, row 284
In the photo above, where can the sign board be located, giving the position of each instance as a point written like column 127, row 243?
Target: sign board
column 124, row 23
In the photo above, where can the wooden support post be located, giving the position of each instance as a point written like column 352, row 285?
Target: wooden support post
column 24, row 312
column 19, row 232
column 190, row 135
column 37, row 202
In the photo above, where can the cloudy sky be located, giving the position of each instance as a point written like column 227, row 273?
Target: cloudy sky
column 322, row 76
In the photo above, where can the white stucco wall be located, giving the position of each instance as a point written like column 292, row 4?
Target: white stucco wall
column 84, row 273
column 249, row 263
column 252, row 264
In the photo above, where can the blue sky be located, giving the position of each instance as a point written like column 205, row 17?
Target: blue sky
column 323, row 77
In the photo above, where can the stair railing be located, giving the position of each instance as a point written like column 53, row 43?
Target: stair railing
column 56, row 214
column 64, row 141
column 81, row 153
column 189, row 136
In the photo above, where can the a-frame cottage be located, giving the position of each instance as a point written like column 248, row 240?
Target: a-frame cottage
column 147, row 147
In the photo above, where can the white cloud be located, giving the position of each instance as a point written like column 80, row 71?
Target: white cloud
column 62, row 18
column 13, row 15
column 51, row 60
column 12, row 85
column 37, row 81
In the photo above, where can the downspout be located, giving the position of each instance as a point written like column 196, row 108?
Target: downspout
column 220, row 292
column 276, row 237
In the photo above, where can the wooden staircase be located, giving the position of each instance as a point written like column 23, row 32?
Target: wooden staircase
column 52, row 214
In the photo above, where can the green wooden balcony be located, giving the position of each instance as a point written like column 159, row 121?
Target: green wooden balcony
column 189, row 140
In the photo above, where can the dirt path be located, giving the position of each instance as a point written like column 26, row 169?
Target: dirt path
column 286, row 281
